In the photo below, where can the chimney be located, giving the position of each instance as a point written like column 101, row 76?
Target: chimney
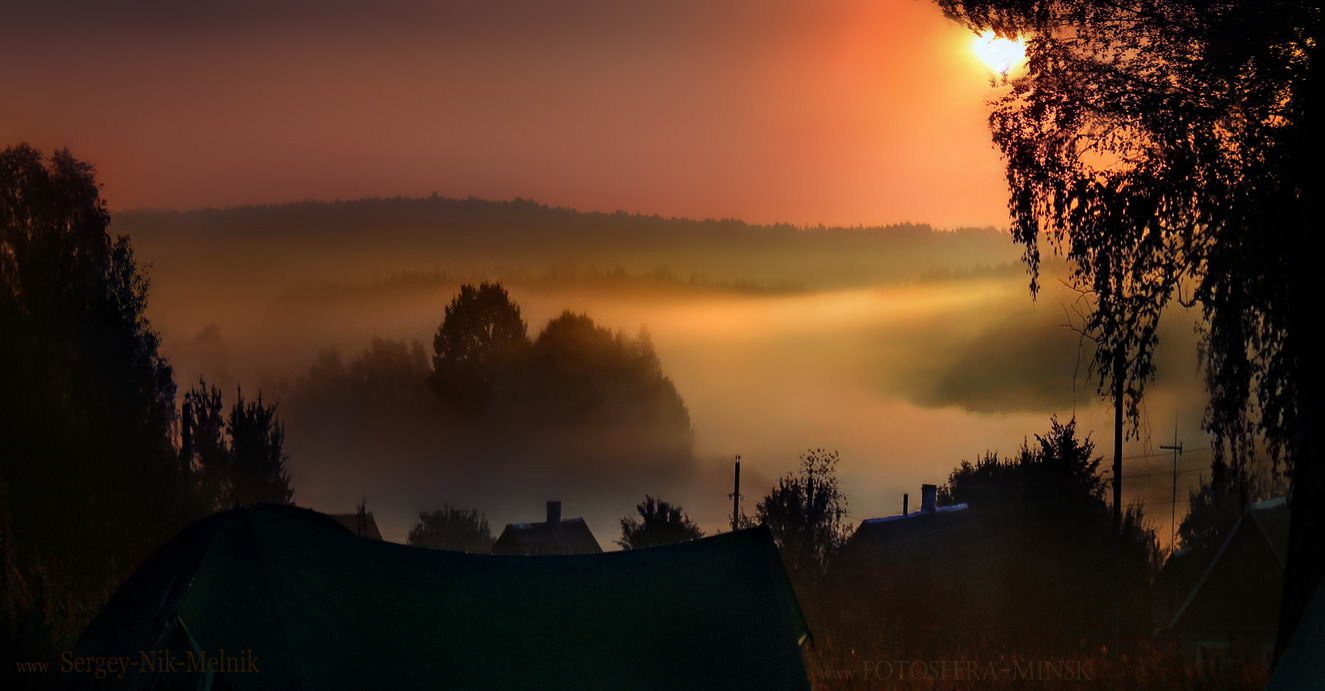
column 906, row 503
column 928, row 498
column 554, row 514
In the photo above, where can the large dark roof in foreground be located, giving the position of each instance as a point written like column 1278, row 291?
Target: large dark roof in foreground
column 323, row 609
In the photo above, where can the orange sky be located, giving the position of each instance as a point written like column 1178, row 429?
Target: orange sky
column 830, row 111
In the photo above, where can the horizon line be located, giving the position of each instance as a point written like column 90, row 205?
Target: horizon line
column 435, row 196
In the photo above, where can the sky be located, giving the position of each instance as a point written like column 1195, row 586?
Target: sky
column 834, row 111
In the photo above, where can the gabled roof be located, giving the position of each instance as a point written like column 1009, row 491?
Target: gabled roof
column 570, row 536
column 318, row 608
column 1248, row 566
column 914, row 515
column 351, row 523
column 918, row 540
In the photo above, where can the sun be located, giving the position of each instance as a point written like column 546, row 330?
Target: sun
column 999, row 54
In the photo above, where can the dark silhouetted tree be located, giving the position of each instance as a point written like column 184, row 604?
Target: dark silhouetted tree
column 237, row 459
column 660, row 523
column 576, row 381
column 805, row 511
column 257, row 460
column 1054, row 549
column 579, row 372
column 460, row 530
column 1159, row 143
column 89, row 473
column 481, row 333
column 204, row 446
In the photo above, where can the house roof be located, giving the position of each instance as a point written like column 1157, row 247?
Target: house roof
column 914, row 515
column 351, row 523
column 1241, row 585
column 920, row 539
column 321, row 609
column 570, row 536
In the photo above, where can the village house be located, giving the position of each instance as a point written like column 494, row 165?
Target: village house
column 553, row 536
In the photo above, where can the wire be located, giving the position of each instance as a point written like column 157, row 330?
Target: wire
column 1165, row 502
column 1164, row 473
column 1157, row 472
column 1169, row 454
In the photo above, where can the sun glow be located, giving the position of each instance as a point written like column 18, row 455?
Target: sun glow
column 999, row 54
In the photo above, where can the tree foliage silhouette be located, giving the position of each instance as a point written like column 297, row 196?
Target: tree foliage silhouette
column 257, row 457
column 659, row 523
column 90, row 479
column 204, row 446
column 1045, row 509
column 805, row 511
column 239, row 458
column 460, row 530
column 1213, row 509
column 480, row 334
column 1160, row 144
column 584, row 373
column 574, row 375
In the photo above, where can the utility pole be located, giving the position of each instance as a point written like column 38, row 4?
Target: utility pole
column 1119, row 377
column 1176, row 448
column 736, row 495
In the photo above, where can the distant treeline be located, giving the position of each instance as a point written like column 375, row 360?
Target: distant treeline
column 524, row 235
column 589, row 278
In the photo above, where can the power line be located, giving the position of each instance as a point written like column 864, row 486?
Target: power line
column 1129, row 476
column 1166, row 454
column 1150, row 473
column 1164, row 502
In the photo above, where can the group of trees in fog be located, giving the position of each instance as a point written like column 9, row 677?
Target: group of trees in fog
column 486, row 368
column 386, row 372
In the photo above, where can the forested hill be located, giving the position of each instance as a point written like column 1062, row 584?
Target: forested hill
column 441, row 233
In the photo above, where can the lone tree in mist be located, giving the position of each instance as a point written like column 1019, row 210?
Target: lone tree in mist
column 481, row 333
column 806, row 513
column 90, row 480
column 239, row 459
column 459, row 530
column 1159, row 144
column 659, row 523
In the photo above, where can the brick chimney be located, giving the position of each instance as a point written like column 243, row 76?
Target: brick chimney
column 554, row 514
column 929, row 495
